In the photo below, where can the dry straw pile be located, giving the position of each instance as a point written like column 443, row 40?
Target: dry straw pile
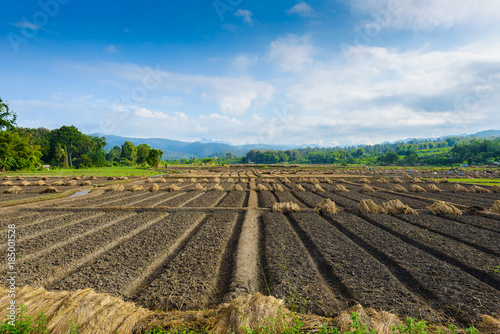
column 154, row 187
column 327, row 180
column 317, row 188
column 86, row 183
column 417, row 189
column 172, row 187
column 19, row 178
column 286, row 207
column 261, row 187
column 458, row 188
column 237, row 187
column 230, row 180
column 50, row 190
column 123, row 178
column 93, row 178
column 432, row 188
column 135, row 188
column 217, row 187
column 397, row 180
column 496, row 207
column 325, row 206
column 57, row 183
column 5, row 177
column 444, row 180
column 199, row 187
column 71, row 183
column 297, row 187
column 443, row 208
column 277, row 187
column 313, row 180
column 25, row 183
column 369, row 206
column 367, row 189
column 7, row 184
column 13, row 190
column 496, row 188
column 215, row 180
column 179, row 181
column 39, row 183
column 341, row 181
column 478, row 189
column 115, row 187
column 400, row 189
column 340, row 188
column 193, row 180
column 382, row 180
column 364, row 180
column 396, row 207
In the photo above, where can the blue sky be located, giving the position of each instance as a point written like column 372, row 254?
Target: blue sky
column 282, row 72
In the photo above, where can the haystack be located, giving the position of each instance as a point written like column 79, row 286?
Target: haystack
column 13, row 190
column 192, row 180
column 313, row 180
column 367, row 189
column 230, row 180
column 340, row 188
column 458, row 188
column 86, row 183
column 111, row 178
column 382, row 180
column 261, row 187
column 199, row 187
column 325, row 206
column 154, row 187
column 92, row 178
column 369, row 206
column 396, row 207
column 237, row 187
column 277, row 187
column 496, row 207
column 7, row 184
column 432, row 188
column 327, row 180
column 180, row 181
column 172, row 187
column 364, row 180
column 444, row 208
column 317, row 188
column 25, row 183
column 50, row 190
column 163, row 180
column 70, row 183
column 286, row 207
column 217, row 187
column 496, row 188
column 5, row 177
column 297, row 187
column 341, row 181
column 417, row 189
column 400, row 189
column 215, row 180
column 57, row 183
column 123, row 178
column 149, row 180
column 19, row 178
column 478, row 189
column 397, row 180
column 115, row 187
column 135, row 188
column 443, row 180
column 432, row 180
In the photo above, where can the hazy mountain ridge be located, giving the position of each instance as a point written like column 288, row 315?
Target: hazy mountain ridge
column 175, row 149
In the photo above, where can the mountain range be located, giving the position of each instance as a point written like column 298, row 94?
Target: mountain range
column 175, row 149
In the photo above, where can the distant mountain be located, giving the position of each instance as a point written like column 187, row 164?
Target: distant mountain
column 175, row 149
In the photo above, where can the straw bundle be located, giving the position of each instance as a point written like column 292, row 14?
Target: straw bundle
column 297, row 187
column 458, row 188
column 193, row 180
column 57, row 183
column 286, row 207
column 86, row 183
column 369, row 206
column 93, row 178
column 317, row 188
column 50, row 190
column 7, row 184
column 25, row 183
column 496, row 207
column 237, row 187
column 396, row 207
column 135, row 188
column 180, row 181
column 443, row 180
column 71, row 183
column 261, row 187
column 478, row 189
column 277, row 187
column 364, row 180
column 432, row 188
column 417, row 189
column 397, row 180
column 154, row 187
column 39, row 183
column 383, row 180
column 443, row 208
column 367, row 189
column 172, row 187
column 215, row 180
column 340, row 188
column 217, row 187
column 400, row 189
column 325, row 206
column 496, row 188
column 115, row 187
column 13, row 190
column 313, row 180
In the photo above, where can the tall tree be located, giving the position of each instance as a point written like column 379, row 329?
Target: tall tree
column 16, row 152
column 153, row 158
column 129, row 152
column 142, row 153
column 7, row 117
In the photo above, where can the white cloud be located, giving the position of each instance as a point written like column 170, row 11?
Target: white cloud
column 111, row 49
column 302, row 9
column 291, row 53
column 428, row 14
column 245, row 14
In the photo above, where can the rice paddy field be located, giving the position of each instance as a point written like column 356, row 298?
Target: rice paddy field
column 200, row 239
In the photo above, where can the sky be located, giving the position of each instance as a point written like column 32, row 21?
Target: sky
column 331, row 72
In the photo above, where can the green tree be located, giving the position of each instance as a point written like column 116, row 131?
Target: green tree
column 129, row 152
column 7, row 117
column 389, row 158
column 16, row 152
column 229, row 155
column 153, row 158
column 70, row 137
column 142, row 153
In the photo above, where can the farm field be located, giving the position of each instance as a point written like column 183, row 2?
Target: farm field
column 203, row 238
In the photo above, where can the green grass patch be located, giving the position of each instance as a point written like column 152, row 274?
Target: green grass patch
column 484, row 182
column 97, row 172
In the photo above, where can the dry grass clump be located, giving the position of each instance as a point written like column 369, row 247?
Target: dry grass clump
column 237, row 187
column 115, row 187
column 400, row 189
column 277, row 187
column 75, row 177
column 111, row 178
column 489, row 325
column 369, row 206
column 230, row 180
column 367, row 189
column 417, row 180
column 154, row 187
column 19, row 178
column 417, row 189
column 5, row 177
column 135, row 188
column 397, row 180
column 70, row 183
column 39, row 183
column 382, row 180
column 45, row 178
column 7, row 184
column 93, row 178
column 199, row 187
column 172, row 187
column 57, row 183
column 396, row 207
column 443, row 180
column 444, row 208
column 297, row 187
column 261, row 187
column 215, row 180
column 286, row 207
column 86, row 183
column 432, row 180
column 193, row 180
column 327, row 180
column 496, row 188
column 380, row 322
column 341, row 181
column 325, row 206
column 317, row 188
column 180, row 181
column 313, row 180
column 286, row 180
column 432, row 188
column 302, row 180
column 339, row 188
column 496, row 207
column 13, row 190
column 206, row 180
column 163, row 180
column 478, row 189
column 123, row 178
column 25, row 183
column 217, row 187
column 149, row 180
column 50, row 190
column 364, row 180
column 458, row 188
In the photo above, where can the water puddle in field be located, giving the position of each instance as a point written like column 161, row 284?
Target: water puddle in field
column 81, row 193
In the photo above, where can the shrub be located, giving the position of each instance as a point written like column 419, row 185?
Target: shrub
column 286, row 207
column 325, row 206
